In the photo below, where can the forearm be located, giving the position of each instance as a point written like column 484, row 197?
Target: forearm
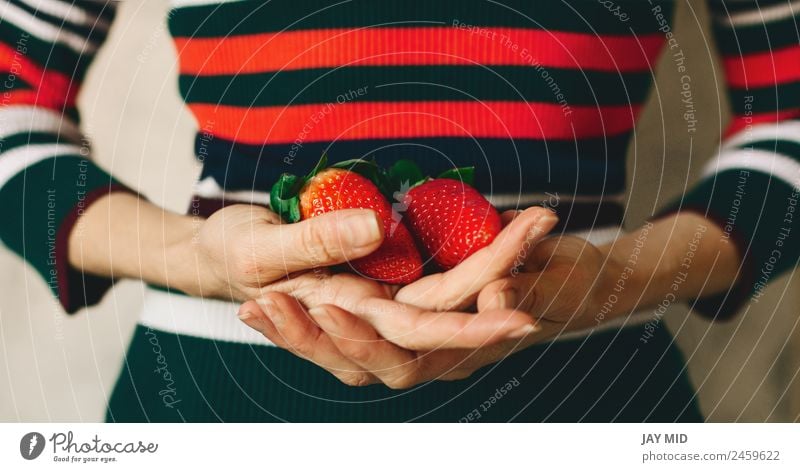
column 676, row 258
column 123, row 236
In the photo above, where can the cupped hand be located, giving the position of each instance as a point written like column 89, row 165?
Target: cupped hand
column 562, row 284
column 363, row 350
column 398, row 331
column 241, row 249
column 566, row 283
column 459, row 287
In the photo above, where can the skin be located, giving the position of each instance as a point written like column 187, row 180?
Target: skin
column 244, row 252
column 564, row 285
column 522, row 289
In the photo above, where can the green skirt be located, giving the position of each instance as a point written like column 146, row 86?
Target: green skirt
column 608, row 376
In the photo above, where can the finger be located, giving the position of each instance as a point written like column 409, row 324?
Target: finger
column 359, row 342
column 544, row 295
column 287, row 325
column 423, row 330
column 459, row 287
column 325, row 240
column 555, row 250
column 508, row 216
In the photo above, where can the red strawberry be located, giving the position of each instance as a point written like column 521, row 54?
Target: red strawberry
column 396, row 261
column 450, row 219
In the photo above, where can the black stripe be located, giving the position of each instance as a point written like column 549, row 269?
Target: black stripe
column 104, row 8
column 581, row 216
column 756, row 38
column 766, row 99
column 782, row 147
column 14, row 83
column 570, row 86
column 52, row 56
column 594, row 166
column 277, row 15
column 724, row 7
column 27, row 138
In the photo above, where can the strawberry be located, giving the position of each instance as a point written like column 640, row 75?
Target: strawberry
column 450, row 219
column 397, row 260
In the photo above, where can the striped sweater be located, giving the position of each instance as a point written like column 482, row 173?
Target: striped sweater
column 539, row 96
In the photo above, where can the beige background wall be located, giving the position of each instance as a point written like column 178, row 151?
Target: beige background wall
column 54, row 368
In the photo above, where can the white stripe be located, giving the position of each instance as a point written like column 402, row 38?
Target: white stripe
column 782, row 167
column 23, row 118
column 44, row 30
column 217, row 320
column 17, row 159
column 523, row 200
column 192, row 3
column 203, row 318
column 761, row 15
column 600, row 235
column 69, row 12
column 786, row 131
column 209, row 188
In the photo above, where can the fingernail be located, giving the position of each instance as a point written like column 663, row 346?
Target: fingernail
column 361, row 230
column 251, row 320
column 525, row 330
column 273, row 313
column 507, row 298
column 545, row 220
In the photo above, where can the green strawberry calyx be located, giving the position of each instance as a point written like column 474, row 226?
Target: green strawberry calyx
column 284, row 197
column 393, row 182
column 405, row 174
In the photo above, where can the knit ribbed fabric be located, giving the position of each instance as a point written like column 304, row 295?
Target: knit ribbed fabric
column 609, row 376
column 540, row 96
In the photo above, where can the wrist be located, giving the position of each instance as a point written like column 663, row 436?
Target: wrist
column 123, row 236
column 677, row 258
column 621, row 283
column 183, row 258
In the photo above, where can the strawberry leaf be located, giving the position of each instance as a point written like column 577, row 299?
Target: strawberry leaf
column 464, row 174
column 404, row 172
column 368, row 169
column 284, row 197
column 321, row 164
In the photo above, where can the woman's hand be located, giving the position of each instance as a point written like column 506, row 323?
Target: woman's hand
column 231, row 255
column 403, row 329
column 455, row 289
column 569, row 284
column 566, row 279
column 397, row 345
column 564, row 284
column 241, row 249
column 459, row 287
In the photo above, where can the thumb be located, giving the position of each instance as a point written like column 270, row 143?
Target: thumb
column 328, row 239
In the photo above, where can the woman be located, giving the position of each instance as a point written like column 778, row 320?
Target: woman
column 540, row 96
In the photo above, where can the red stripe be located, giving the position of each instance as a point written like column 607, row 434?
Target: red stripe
column 739, row 123
column 414, row 46
column 30, row 97
column 764, row 68
column 376, row 120
column 54, row 88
